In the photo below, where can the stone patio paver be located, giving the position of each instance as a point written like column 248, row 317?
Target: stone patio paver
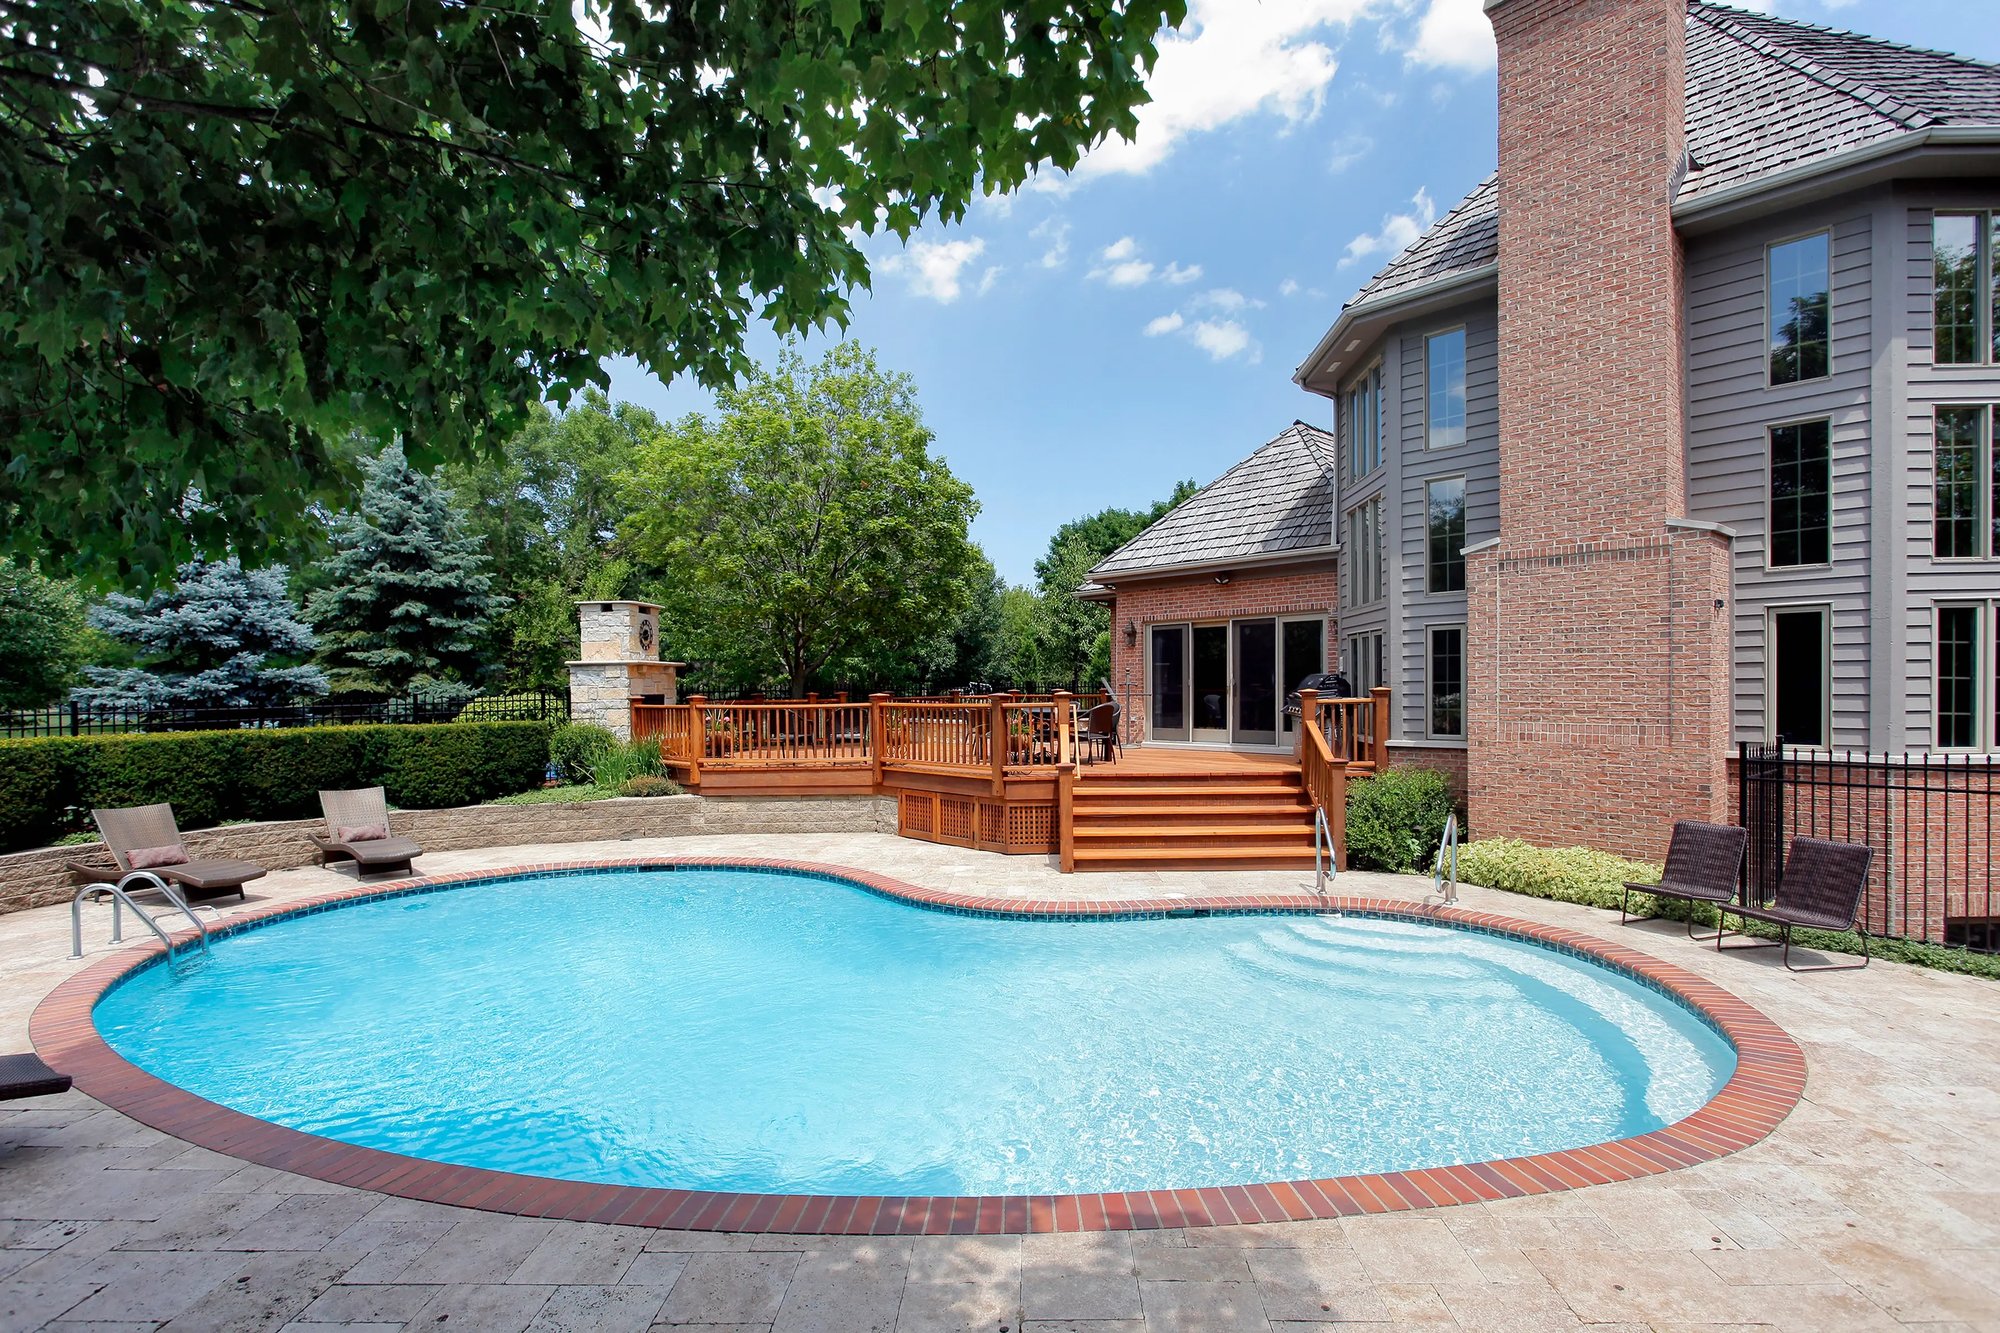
column 1876, row 1205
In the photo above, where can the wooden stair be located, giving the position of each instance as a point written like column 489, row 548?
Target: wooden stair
column 1243, row 819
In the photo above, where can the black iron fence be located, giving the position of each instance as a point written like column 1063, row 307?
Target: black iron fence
column 77, row 719
column 1930, row 818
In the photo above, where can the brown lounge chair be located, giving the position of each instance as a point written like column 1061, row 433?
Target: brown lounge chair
column 145, row 837
column 1820, row 889
column 1704, row 865
column 357, row 830
column 26, row 1076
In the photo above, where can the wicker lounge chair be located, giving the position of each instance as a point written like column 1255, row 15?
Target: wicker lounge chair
column 26, row 1076
column 357, row 830
column 145, row 837
column 1704, row 865
column 1821, row 890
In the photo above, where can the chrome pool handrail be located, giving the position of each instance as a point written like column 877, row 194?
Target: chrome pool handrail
column 120, row 899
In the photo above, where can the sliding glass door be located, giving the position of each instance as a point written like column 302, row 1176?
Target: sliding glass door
column 1168, row 674
column 1211, row 684
column 1225, row 684
column 1256, row 683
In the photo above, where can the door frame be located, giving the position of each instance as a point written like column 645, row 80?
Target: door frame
column 1224, row 738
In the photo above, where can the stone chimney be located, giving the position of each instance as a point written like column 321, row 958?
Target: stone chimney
column 618, row 664
column 1599, row 675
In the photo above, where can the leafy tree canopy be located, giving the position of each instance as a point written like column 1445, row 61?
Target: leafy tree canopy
column 42, row 626
column 406, row 595
column 223, row 636
column 1108, row 529
column 807, row 533
column 232, row 234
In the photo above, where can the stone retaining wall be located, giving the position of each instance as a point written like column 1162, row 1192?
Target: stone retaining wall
column 39, row 878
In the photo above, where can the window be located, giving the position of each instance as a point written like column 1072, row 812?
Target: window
column 1801, row 469
column 1965, row 486
column 1364, row 553
column 1445, row 682
column 1444, row 380
column 1364, row 424
column 1963, row 292
column 1968, row 703
column 1364, row 662
column 1797, row 280
column 1444, row 535
column 1799, row 654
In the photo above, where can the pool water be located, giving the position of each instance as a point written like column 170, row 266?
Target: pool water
column 759, row 1031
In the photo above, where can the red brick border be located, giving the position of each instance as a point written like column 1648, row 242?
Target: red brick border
column 1767, row 1084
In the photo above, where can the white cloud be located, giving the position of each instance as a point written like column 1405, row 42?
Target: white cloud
column 1398, row 230
column 1120, row 264
column 989, row 277
column 1223, row 339
column 1289, row 287
column 1225, row 298
column 1454, row 34
column 934, row 267
column 1167, row 323
column 1348, row 149
column 1056, row 234
column 1229, row 60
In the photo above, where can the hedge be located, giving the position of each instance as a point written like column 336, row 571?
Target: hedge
column 48, row 786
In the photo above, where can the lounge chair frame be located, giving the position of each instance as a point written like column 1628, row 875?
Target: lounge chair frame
column 1704, row 865
column 127, row 829
column 353, row 809
column 1821, row 889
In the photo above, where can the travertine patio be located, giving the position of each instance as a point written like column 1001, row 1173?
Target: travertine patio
column 1875, row 1206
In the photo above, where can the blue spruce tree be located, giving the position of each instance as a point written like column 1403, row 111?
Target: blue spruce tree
column 210, row 641
column 406, row 597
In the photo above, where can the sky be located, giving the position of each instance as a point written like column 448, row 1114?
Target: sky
column 1094, row 338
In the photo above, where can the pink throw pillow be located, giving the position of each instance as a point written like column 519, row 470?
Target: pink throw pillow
column 150, row 858
column 362, row 833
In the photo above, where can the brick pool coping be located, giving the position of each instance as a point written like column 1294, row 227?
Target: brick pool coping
column 1768, row 1082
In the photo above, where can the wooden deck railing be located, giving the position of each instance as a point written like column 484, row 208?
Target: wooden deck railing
column 1338, row 737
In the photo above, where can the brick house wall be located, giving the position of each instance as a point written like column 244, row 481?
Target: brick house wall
column 1598, row 654
column 1289, row 591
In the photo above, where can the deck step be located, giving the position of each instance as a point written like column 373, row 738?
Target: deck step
column 1290, row 810
column 1193, row 858
column 1122, row 792
column 1195, row 835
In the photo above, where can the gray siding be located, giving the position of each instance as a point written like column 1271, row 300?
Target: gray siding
column 1731, row 409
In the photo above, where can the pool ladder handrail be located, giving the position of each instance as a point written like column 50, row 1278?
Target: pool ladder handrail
column 1324, row 865
column 120, row 899
column 1444, row 883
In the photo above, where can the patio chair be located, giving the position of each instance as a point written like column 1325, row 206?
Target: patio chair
column 1101, row 729
column 357, row 830
column 26, row 1076
column 1704, row 865
column 1821, row 890
column 145, row 837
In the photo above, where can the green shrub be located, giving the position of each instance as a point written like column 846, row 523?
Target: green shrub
column 575, row 747
column 1565, row 874
column 504, row 707
column 568, row 795
column 1396, row 819
column 648, row 784
column 213, row 776
column 621, row 763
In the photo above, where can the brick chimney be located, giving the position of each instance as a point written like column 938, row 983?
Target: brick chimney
column 1599, row 674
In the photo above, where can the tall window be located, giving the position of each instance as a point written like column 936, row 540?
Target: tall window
column 1800, row 669
column 1444, row 381
column 1364, row 424
column 1444, row 537
column 1965, row 663
column 1445, row 681
column 1364, row 553
column 1801, row 473
column 1365, row 668
column 1965, row 486
column 1798, row 279
column 1963, row 290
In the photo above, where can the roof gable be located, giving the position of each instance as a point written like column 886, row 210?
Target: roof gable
column 1277, row 501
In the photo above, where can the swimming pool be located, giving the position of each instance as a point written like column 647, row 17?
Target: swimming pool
column 745, row 1030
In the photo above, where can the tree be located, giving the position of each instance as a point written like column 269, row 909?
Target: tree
column 1072, row 638
column 222, row 637
column 405, row 597
column 235, row 232
column 807, row 533
column 42, row 626
column 1108, row 529
column 546, row 512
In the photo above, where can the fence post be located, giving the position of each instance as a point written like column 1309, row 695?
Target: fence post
column 1308, row 720
column 997, row 714
column 1066, row 818
column 697, row 736
column 1062, row 718
column 75, row 718
column 878, row 734
column 1380, row 694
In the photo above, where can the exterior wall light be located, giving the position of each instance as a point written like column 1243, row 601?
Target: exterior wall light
column 1131, row 633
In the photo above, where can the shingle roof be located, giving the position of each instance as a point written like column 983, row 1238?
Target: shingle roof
column 1278, row 500
column 1764, row 94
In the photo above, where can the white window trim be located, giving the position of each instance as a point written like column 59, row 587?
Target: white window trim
column 1986, row 662
column 1770, row 498
column 1769, row 246
column 1982, row 488
column 1464, row 680
column 1771, row 614
column 1465, row 332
